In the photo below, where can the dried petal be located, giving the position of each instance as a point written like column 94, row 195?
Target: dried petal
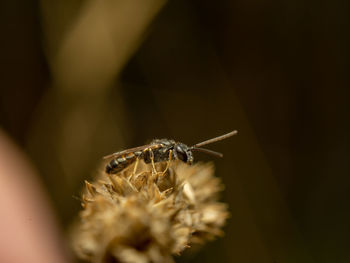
column 147, row 217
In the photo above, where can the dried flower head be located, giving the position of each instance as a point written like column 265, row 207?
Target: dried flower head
column 147, row 216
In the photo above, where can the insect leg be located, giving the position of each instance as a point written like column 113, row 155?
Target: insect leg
column 168, row 162
column 136, row 165
column 152, row 160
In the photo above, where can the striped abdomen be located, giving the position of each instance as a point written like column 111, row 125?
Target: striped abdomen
column 118, row 164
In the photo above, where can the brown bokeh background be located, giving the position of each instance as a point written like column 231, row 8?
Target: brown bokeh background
column 81, row 79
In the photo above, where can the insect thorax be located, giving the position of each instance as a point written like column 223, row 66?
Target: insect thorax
column 161, row 152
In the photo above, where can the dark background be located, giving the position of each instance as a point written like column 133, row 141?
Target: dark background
column 277, row 71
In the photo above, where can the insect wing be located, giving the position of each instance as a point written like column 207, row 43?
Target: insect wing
column 131, row 150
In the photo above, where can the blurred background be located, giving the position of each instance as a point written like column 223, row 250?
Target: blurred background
column 81, row 79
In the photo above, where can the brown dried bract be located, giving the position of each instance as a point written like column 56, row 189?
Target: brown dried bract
column 147, row 217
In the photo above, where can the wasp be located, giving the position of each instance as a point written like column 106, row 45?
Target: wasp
column 160, row 150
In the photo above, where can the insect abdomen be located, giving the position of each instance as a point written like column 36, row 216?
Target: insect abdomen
column 118, row 164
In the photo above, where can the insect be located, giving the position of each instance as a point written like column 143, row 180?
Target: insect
column 160, row 150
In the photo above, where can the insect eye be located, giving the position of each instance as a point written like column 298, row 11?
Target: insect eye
column 179, row 149
column 181, row 154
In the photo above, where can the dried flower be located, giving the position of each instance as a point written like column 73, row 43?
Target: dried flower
column 146, row 216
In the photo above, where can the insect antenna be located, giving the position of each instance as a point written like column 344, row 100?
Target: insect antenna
column 216, row 139
column 197, row 146
column 203, row 150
